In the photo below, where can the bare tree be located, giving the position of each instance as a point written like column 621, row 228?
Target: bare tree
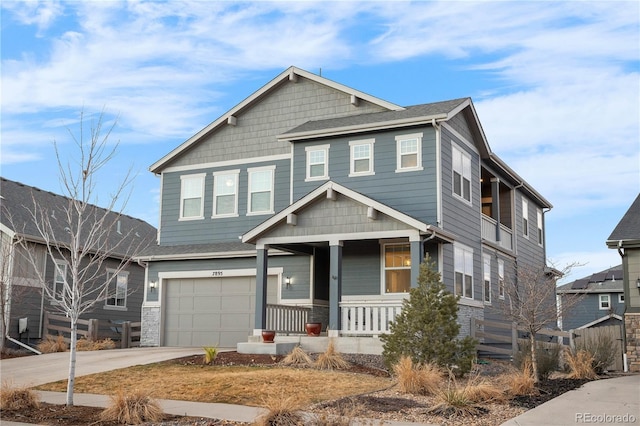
column 81, row 239
column 530, row 301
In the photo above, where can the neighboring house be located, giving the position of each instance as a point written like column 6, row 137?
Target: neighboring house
column 312, row 194
column 600, row 303
column 21, row 286
column 626, row 239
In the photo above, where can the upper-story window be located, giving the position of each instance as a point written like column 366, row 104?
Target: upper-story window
column 260, row 190
column 117, row 289
column 361, row 157
column 192, row 196
column 486, row 270
column 409, row 152
column 605, row 301
column 463, row 259
column 60, row 279
column 397, row 268
column 225, row 193
column 317, row 162
column 540, row 228
column 501, row 278
column 525, row 218
column 461, row 173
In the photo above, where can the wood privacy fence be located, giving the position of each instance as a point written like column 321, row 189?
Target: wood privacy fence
column 126, row 333
column 507, row 336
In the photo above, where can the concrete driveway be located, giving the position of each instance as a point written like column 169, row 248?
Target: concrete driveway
column 36, row 370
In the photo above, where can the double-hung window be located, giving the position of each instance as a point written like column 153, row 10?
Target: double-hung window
column 463, row 258
column 361, row 157
column 192, row 196
column 461, row 173
column 261, row 190
column 486, row 270
column 60, row 279
column 525, row 218
column 117, row 289
column 605, row 301
column 397, row 268
column 501, row 278
column 409, row 152
column 317, row 162
column 225, row 193
column 540, row 228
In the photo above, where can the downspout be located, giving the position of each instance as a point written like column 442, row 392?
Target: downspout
column 626, row 286
column 437, row 128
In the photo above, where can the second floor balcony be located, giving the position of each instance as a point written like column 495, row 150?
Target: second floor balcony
column 496, row 233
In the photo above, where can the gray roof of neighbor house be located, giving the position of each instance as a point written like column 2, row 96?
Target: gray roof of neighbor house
column 628, row 229
column 196, row 251
column 125, row 235
column 607, row 281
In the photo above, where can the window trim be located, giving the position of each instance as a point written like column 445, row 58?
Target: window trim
column 501, row 279
column 407, row 137
column 601, row 301
column 467, row 253
column 62, row 265
column 540, row 227
column 115, row 282
column 486, row 272
column 620, row 297
column 457, row 151
column 251, row 170
column 352, row 160
column 216, row 175
column 317, row 148
column 183, row 179
column 383, row 263
column 525, row 218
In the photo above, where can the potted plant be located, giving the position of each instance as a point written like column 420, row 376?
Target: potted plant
column 313, row 328
column 268, row 336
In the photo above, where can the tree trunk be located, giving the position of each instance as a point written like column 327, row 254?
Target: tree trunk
column 72, row 362
column 534, row 359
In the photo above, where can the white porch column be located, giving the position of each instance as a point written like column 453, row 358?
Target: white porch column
column 262, row 260
column 335, row 287
column 416, row 259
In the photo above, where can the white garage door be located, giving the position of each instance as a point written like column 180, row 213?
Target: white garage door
column 211, row 311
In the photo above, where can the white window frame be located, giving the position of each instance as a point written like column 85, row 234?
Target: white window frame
column 525, row 218
column 486, row 284
column 183, row 182
column 540, row 228
column 250, row 190
column 353, row 147
column 463, row 264
column 461, row 165
column 111, row 281
column 406, row 266
column 418, row 152
column 620, row 297
column 59, row 266
column 310, row 150
column 604, row 299
column 500, row 279
column 217, row 176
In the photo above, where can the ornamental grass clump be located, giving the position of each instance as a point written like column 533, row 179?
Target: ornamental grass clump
column 580, row 365
column 455, row 401
column 97, row 345
column 210, row 354
column 282, row 410
column 417, row 379
column 331, row 359
column 521, row 382
column 52, row 344
column 17, row 398
column 132, row 408
column 297, row 357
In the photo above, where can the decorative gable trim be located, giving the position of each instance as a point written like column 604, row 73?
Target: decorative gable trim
column 599, row 320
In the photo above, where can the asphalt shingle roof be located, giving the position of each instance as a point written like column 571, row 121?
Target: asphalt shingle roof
column 629, row 226
column 608, row 280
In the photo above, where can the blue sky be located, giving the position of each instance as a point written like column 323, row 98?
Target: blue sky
column 556, row 86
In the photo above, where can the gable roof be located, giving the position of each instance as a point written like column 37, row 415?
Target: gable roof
column 627, row 232
column 607, row 281
column 327, row 188
column 290, row 73
column 15, row 219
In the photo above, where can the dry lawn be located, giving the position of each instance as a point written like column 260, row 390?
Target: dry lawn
column 232, row 385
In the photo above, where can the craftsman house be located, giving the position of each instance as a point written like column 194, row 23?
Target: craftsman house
column 315, row 199
column 601, row 300
column 25, row 301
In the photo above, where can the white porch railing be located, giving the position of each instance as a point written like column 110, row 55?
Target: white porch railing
column 368, row 318
column 287, row 319
column 489, row 227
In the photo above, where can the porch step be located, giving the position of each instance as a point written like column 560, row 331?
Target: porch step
column 285, row 344
column 276, row 348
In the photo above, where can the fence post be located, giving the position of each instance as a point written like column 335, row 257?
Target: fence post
column 125, row 340
column 572, row 341
column 92, row 330
column 514, row 339
column 45, row 324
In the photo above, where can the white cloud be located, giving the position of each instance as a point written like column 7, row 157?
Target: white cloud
column 32, row 12
column 588, row 263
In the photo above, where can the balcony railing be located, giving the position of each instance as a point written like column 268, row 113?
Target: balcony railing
column 368, row 318
column 489, row 228
column 287, row 319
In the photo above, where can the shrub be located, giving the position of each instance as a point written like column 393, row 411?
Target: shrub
column 52, row 344
column 17, row 398
column 417, row 379
column 580, row 364
column 603, row 350
column 297, row 357
column 331, row 359
column 97, row 345
column 547, row 355
column 427, row 330
column 210, row 354
column 132, row 408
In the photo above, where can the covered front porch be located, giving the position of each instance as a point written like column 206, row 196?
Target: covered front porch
column 365, row 256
